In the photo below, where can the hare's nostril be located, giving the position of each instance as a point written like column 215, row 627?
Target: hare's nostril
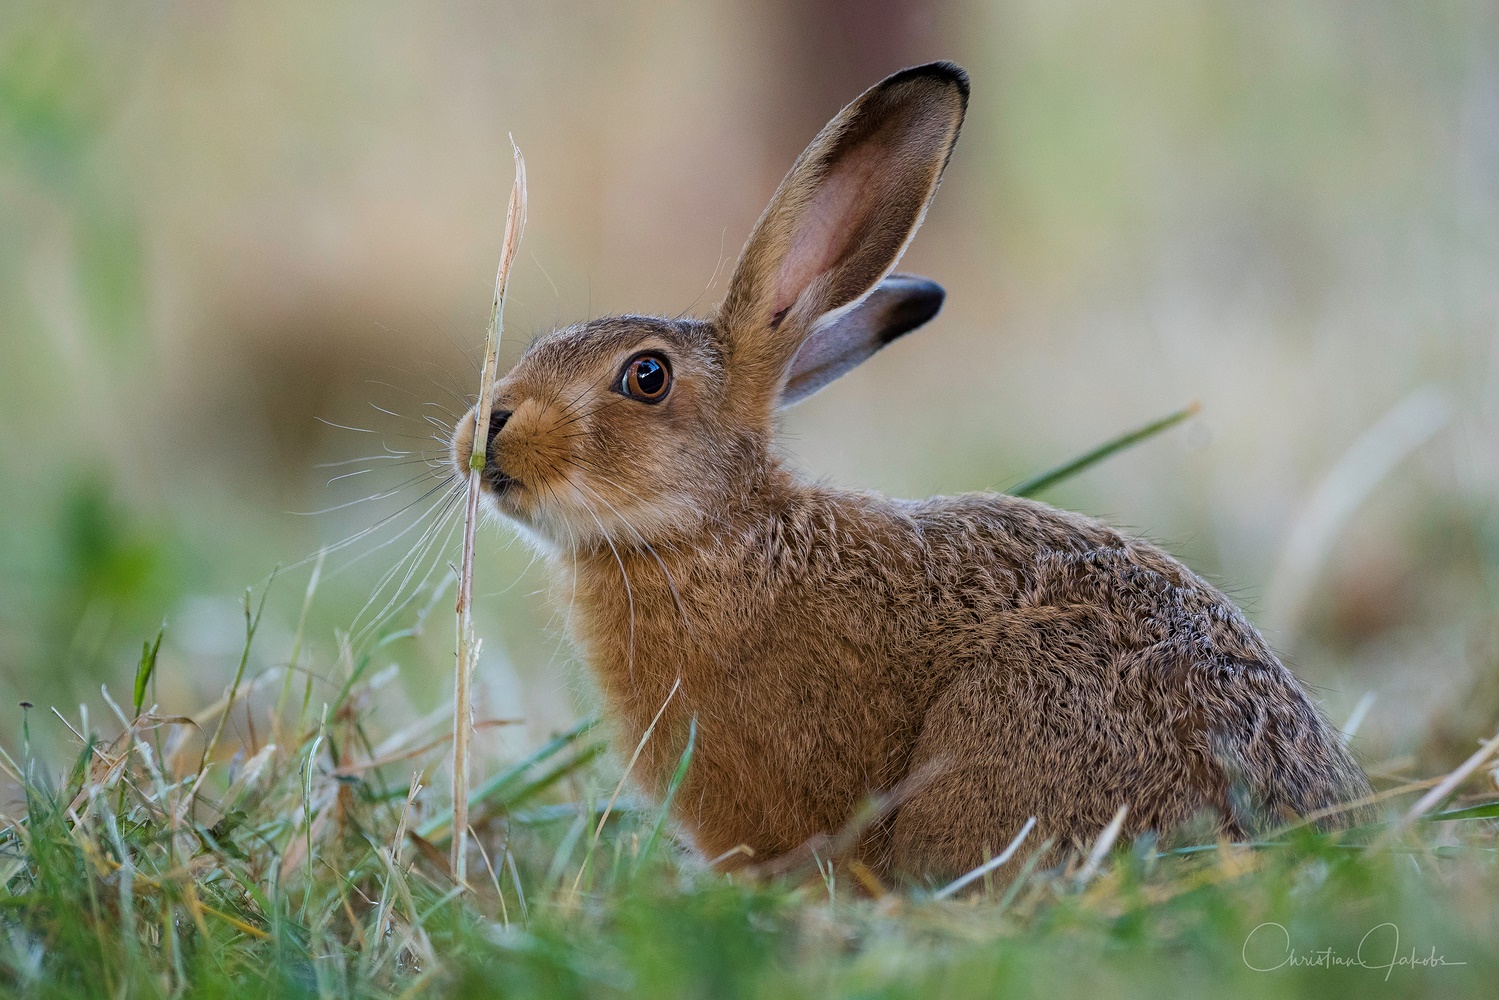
column 497, row 421
column 498, row 479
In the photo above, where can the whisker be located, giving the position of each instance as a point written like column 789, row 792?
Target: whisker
column 629, row 592
column 351, row 503
column 374, row 496
column 548, row 277
column 583, row 416
column 433, row 462
column 535, row 555
column 366, row 458
column 443, row 508
column 326, row 550
column 449, row 483
column 711, row 280
column 577, row 399
column 460, row 396
column 426, row 579
column 430, row 461
column 345, row 427
column 421, row 548
column 670, row 583
column 421, row 400
column 366, row 430
column 464, row 351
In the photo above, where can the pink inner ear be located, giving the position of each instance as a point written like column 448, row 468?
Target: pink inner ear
column 828, row 223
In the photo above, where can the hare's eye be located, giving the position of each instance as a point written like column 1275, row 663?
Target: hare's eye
column 647, row 378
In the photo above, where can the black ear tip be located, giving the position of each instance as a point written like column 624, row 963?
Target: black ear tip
column 942, row 71
column 917, row 300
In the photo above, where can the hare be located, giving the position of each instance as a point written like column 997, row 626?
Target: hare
column 976, row 659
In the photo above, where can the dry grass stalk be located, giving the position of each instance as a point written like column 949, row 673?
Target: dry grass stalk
column 515, row 224
column 988, row 866
column 1102, row 846
column 604, row 818
column 1440, row 793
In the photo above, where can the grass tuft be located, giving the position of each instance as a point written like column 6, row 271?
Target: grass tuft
column 314, row 867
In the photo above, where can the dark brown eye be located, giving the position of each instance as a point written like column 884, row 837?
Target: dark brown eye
column 646, row 378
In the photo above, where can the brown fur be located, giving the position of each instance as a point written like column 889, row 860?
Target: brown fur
column 990, row 657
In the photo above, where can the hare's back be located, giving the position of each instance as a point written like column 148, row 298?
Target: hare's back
column 1094, row 644
column 989, row 553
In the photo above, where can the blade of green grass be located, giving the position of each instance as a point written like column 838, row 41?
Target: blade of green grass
column 587, row 755
column 252, row 625
column 147, row 667
column 1485, row 810
column 498, row 784
column 1050, row 478
column 671, row 793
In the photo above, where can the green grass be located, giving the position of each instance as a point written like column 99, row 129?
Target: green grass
column 137, row 875
column 295, row 855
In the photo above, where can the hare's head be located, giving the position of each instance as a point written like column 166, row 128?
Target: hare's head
column 635, row 428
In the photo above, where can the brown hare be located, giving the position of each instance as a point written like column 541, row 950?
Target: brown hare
column 980, row 659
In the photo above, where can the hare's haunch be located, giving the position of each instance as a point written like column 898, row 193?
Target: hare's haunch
column 977, row 659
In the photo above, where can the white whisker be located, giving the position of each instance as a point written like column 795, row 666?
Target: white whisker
column 432, row 463
column 388, row 453
column 670, row 583
column 437, row 560
column 345, row 427
column 629, row 593
column 353, row 503
column 327, row 550
column 413, row 558
column 363, row 532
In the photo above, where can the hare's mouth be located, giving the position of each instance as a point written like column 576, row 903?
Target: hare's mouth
column 497, row 479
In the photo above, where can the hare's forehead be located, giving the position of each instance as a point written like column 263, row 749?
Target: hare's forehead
column 587, row 349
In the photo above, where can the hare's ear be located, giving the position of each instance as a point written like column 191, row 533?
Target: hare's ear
column 840, row 220
column 898, row 305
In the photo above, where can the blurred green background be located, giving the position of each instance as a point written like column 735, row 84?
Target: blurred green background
column 222, row 224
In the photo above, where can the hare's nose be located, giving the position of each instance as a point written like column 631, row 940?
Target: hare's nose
column 497, row 421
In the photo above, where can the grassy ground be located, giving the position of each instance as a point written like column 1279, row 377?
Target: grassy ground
column 305, row 860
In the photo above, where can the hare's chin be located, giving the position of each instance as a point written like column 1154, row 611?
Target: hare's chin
column 524, row 523
column 538, row 540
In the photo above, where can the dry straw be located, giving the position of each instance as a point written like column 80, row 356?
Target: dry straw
column 468, row 646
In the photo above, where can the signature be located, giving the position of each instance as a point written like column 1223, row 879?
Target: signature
column 1268, row 947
